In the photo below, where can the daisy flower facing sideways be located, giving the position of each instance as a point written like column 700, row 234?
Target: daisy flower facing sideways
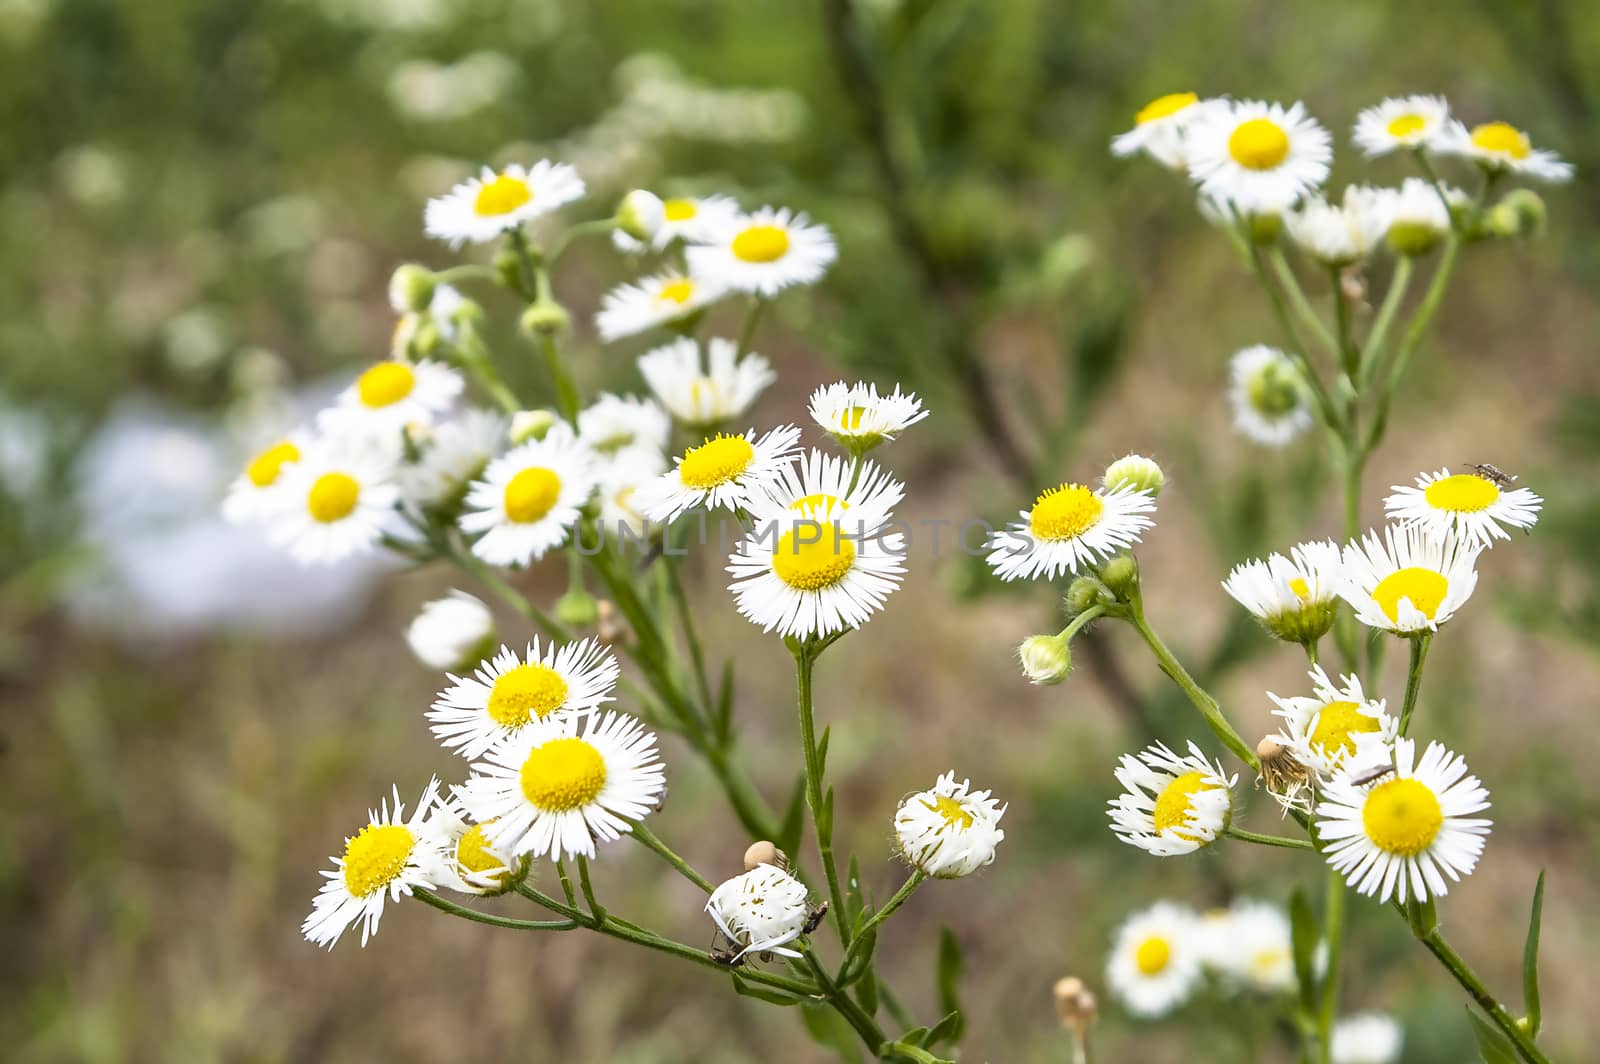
column 1336, row 726
column 1249, row 944
column 1400, row 837
column 529, row 498
column 1408, row 580
column 1339, row 236
column 1472, row 506
column 731, row 471
column 1155, row 960
column 1172, row 804
column 455, row 632
column 564, row 782
column 1270, row 402
column 468, row 863
column 948, row 832
column 1070, row 527
column 1367, row 1038
column 817, row 559
column 764, row 252
column 508, row 693
column 390, row 395
column 341, row 497
column 705, row 398
column 1404, row 123
column 761, row 910
column 451, row 456
column 617, row 423
column 1295, row 598
column 859, row 418
column 257, row 492
column 1160, row 127
column 481, row 208
column 1502, row 147
column 388, row 858
column 666, row 298
column 1259, row 158
column 691, row 220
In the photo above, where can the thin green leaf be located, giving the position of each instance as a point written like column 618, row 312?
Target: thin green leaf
column 1303, row 937
column 950, row 977
column 867, row 990
column 914, row 1037
column 855, row 901
column 862, row 960
column 794, row 819
column 1493, row 1046
column 724, row 717
column 946, row 1030
column 827, row 1029
column 745, row 988
column 1530, row 958
column 906, row 1050
column 825, row 816
column 822, row 752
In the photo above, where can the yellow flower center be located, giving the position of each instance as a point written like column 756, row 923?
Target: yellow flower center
column 264, row 468
column 819, row 505
column 562, row 775
column 501, row 196
column 1502, row 138
column 474, row 855
column 1065, row 512
column 1402, row 817
column 1407, row 126
column 1163, row 106
column 531, row 494
column 1259, row 144
column 715, row 461
column 1152, row 955
column 952, row 812
column 524, row 692
column 385, row 384
column 1424, row 587
column 677, row 291
column 1338, row 724
column 850, row 418
column 1462, row 493
column 1298, row 585
column 680, row 210
column 375, row 857
column 332, row 497
column 820, row 559
column 1174, row 804
column 761, row 243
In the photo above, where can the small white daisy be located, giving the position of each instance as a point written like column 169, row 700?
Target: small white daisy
column 859, row 418
column 1405, row 123
column 761, row 910
column 258, row 492
column 1408, row 580
column 653, row 302
column 693, row 220
column 1367, row 1038
column 1070, row 527
column 390, row 395
column 1172, row 804
column 468, row 863
column 1155, row 960
column 818, row 559
column 455, row 632
column 732, row 471
column 621, row 477
column 705, row 398
column 1472, row 506
column 1270, row 402
column 615, row 423
column 1335, row 726
column 509, row 693
column 387, row 859
column 480, row 208
column 452, row 456
column 342, row 499
column 764, row 252
column 1403, row 834
column 948, row 831
column 1258, row 157
column 529, row 498
column 564, row 782
column 1338, row 236
column 1295, row 598
column 1160, row 129
column 1417, row 217
column 1250, row 946
column 1502, row 147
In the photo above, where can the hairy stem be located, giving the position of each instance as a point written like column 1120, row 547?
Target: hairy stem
column 821, row 819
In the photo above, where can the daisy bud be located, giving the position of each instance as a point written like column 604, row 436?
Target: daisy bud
column 1136, row 472
column 1087, row 591
column 1046, row 659
column 1520, row 214
column 453, row 633
column 640, row 214
column 607, row 629
column 530, row 425
column 577, row 608
column 1121, row 575
column 411, row 288
column 764, row 853
column 545, row 319
column 1075, row 1003
column 509, row 266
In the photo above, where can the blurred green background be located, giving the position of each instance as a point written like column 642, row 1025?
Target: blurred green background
column 200, row 203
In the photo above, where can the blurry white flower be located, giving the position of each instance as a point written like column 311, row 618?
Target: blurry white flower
column 1367, row 1038
column 481, row 208
column 1502, row 147
column 652, row 302
column 765, row 252
column 1155, row 961
column 1402, row 123
column 1270, row 401
column 709, row 397
column 1257, row 157
column 454, row 632
column 1161, row 126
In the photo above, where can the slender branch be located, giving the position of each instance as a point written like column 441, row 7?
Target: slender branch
column 428, row 897
column 1268, row 840
column 858, row 945
column 1413, row 339
column 1333, row 932
column 747, row 333
column 1419, row 656
column 1399, row 283
column 1302, row 305
column 846, row 1006
column 1202, row 701
column 650, row 842
column 1330, row 414
column 595, row 908
column 822, row 821
column 1474, row 986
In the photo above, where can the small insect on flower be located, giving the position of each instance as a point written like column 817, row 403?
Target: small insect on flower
column 1410, row 579
column 1286, row 779
column 1172, row 804
column 761, row 911
column 1161, row 127
column 480, row 208
column 529, row 498
column 949, row 832
column 1335, row 725
column 764, row 252
column 652, row 303
column 1406, row 123
column 1155, row 961
column 1271, row 404
column 722, row 471
column 509, row 693
column 1500, row 147
column 1474, row 506
column 705, row 398
column 1070, row 527
column 1257, row 157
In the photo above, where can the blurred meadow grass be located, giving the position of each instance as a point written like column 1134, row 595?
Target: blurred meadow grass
column 202, row 200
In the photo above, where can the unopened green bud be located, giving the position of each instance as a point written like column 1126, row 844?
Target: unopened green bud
column 1413, row 238
column 1085, row 592
column 411, row 288
column 1121, row 575
column 1136, row 472
column 577, row 608
column 1046, row 659
column 545, row 319
column 509, row 266
column 1527, row 206
column 640, row 214
column 531, row 425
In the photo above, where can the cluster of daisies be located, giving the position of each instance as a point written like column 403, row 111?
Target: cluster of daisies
column 1166, row 956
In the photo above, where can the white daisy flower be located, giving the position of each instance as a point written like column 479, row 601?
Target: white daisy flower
column 390, row 395
column 1336, row 726
column 1271, row 404
column 615, row 423
column 480, row 208
column 761, row 910
column 565, row 782
column 468, row 862
column 621, row 477
column 342, row 500
column 1472, row 506
column 1172, row 804
column 948, row 831
column 859, row 418
column 1070, row 527
column 1417, row 218
column 455, row 632
column 451, row 457
column 1250, row 946
column 509, row 693
column 529, row 498
column 1404, row 123
column 1155, row 960
column 1342, row 235
column 1160, row 128
column 705, row 398
column 693, row 220
column 1295, row 598
column 1502, row 147
column 1408, row 580
column 732, row 471
column 388, row 858
column 1258, row 157
column 1403, row 834
column 764, row 252
column 1367, row 1038
column 258, row 492
column 817, row 559
column 666, row 298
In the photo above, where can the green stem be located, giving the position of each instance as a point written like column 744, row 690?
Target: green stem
column 474, row 358
column 748, row 333
column 1349, row 353
column 1474, row 986
column 1419, row 656
column 1202, row 701
column 1330, row 414
column 686, row 622
column 648, row 838
column 1081, row 620
column 566, row 390
column 595, row 908
column 1302, row 305
column 859, row 944
column 1268, row 840
column 466, row 271
column 566, row 883
column 1413, row 339
column 430, row 898
column 846, row 1006
column 821, row 819
column 1379, row 336
column 1333, row 930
